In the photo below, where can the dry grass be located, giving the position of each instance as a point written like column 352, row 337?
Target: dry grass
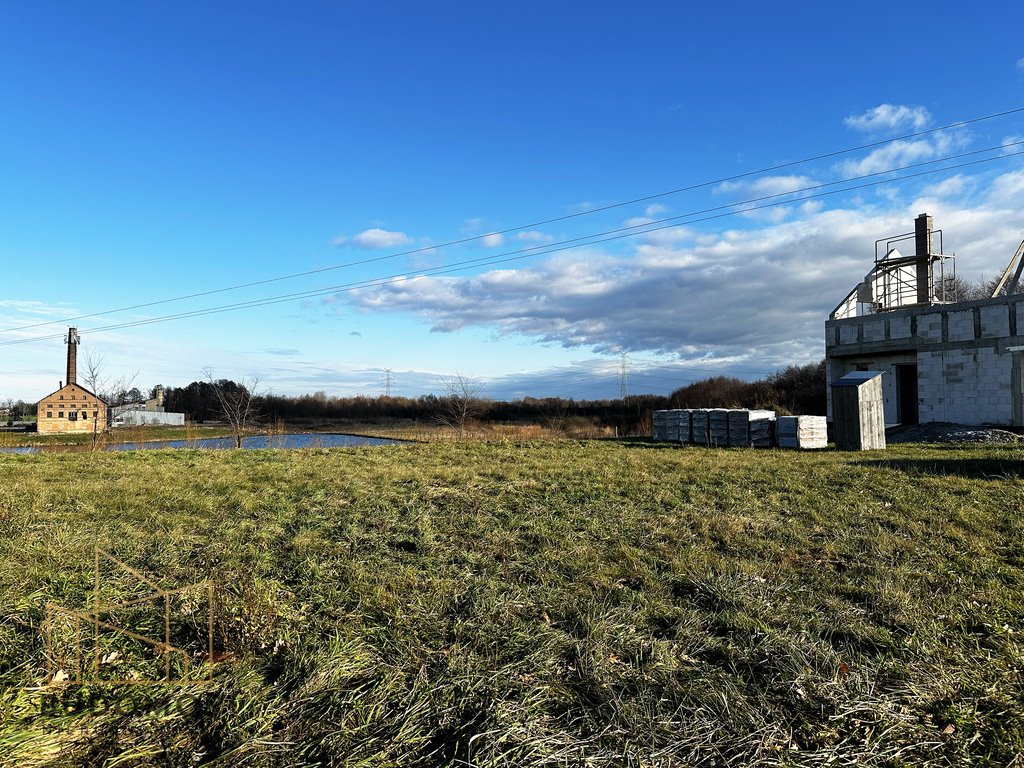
column 425, row 432
column 536, row 603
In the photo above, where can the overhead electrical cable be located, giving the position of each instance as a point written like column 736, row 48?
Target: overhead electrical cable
column 544, row 222
column 520, row 254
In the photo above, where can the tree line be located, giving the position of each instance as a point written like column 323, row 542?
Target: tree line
column 796, row 390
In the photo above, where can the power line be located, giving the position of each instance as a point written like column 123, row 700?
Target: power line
column 543, row 222
column 564, row 245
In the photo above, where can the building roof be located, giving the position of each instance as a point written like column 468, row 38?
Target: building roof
column 856, row 378
column 79, row 386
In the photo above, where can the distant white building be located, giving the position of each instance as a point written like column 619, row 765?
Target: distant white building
column 146, row 412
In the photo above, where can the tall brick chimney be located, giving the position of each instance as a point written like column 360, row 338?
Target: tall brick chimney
column 923, row 252
column 72, row 341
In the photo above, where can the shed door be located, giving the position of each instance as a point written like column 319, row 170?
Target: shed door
column 906, row 394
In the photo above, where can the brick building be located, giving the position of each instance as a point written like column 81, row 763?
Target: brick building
column 960, row 362
column 72, row 408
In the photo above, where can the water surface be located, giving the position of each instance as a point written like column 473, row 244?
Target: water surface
column 250, row 443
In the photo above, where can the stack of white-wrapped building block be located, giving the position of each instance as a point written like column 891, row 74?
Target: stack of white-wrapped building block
column 801, row 432
column 751, row 428
column 738, row 428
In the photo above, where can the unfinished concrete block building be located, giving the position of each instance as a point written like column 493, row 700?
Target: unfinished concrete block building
column 941, row 360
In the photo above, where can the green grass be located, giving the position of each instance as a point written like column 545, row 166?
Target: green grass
column 534, row 603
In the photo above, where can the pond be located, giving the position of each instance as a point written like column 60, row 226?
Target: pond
column 252, row 442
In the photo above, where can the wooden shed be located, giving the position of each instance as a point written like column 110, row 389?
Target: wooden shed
column 858, row 411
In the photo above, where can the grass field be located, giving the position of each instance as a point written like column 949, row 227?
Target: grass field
column 532, row 603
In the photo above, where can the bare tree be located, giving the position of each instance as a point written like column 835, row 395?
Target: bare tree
column 111, row 390
column 237, row 404
column 989, row 285
column 460, row 401
column 959, row 289
column 554, row 414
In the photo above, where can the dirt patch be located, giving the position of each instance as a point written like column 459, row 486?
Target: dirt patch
column 944, row 432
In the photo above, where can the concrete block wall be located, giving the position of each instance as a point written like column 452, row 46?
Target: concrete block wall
column 884, row 363
column 929, row 328
column 874, row 330
column 965, row 386
column 961, row 326
column 931, row 389
column 995, row 321
column 899, row 328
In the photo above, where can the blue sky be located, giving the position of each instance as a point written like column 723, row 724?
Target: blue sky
column 156, row 150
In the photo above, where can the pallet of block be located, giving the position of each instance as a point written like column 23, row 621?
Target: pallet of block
column 802, row 432
column 681, row 420
column 751, row 428
column 699, row 426
column 671, row 426
column 715, row 427
column 659, row 425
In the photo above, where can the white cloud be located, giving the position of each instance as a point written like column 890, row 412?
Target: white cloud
column 759, row 293
column 651, row 214
column 765, row 186
column 638, row 221
column 662, row 299
column 668, row 236
column 34, row 308
column 1008, row 185
column 770, row 188
column 376, row 239
column 897, row 154
column 1020, row 65
column 889, row 118
column 951, row 187
column 493, row 240
column 532, row 236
